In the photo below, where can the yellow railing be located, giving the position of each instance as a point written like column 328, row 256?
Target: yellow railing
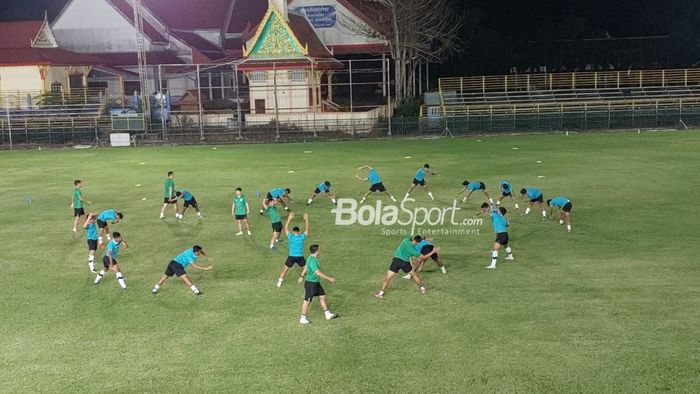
column 570, row 81
column 565, row 107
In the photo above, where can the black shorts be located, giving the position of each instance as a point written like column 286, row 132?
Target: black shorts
column 502, row 238
column 377, row 187
column 101, row 224
column 538, row 199
column 191, row 203
column 312, row 289
column 174, row 268
column 77, row 212
column 92, row 244
column 241, row 217
column 277, row 227
column 398, row 264
column 427, row 249
column 507, row 194
column 291, row 260
column 318, row 191
column 482, row 186
column 567, row 207
column 269, row 197
column 417, row 182
column 168, row 200
column 105, row 262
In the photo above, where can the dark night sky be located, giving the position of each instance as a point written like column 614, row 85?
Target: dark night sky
column 502, row 33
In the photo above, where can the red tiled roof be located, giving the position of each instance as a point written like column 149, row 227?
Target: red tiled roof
column 192, row 14
column 246, row 15
column 18, row 34
column 196, row 42
column 306, row 35
column 130, row 58
column 124, row 6
column 45, row 56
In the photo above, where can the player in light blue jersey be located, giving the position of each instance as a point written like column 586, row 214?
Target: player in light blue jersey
column 419, row 180
column 296, row 246
column 177, row 267
column 103, row 220
column 500, row 227
column 279, row 194
column 534, row 195
column 109, row 261
column 325, row 188
column 470, row 187
column 564, row 206
column 189, row 201
column 92, row 237
column 506, row 189
column 375, row 181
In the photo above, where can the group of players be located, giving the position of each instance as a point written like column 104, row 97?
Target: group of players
column 409, row 257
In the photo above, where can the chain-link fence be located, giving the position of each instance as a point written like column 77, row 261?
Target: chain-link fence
column 225, row 131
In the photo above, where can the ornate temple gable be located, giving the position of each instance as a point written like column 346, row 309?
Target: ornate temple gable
column 274, row 39
column 45, row 37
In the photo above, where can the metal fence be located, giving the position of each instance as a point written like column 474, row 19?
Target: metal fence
column 380, row 127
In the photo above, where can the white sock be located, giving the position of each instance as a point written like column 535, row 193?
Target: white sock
column 99, row 276
column 568, row 227
column 544, row 214
column 328, row 312
column 280, row 280
column 381, row 292
column 494, row 257
column 199, row 214
column 527, row 210
column 491, row 200
column 561, row 221
column 310, row 201
column 120, row 279
column 498, row 202
column 109, row 238
column 100, row 240
column 156, row 286
column 393, row 199
column 516, row 205
column 194, row 288
column 430, row 194
column 363, row 200
column 333, row 201
column 444, row 271
column 509, row 251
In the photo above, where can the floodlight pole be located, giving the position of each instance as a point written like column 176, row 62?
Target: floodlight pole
column 199, row 104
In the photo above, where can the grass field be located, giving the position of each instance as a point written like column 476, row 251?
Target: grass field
column 611, row 307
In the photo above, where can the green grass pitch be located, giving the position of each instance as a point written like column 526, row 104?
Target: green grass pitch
column 611, row 307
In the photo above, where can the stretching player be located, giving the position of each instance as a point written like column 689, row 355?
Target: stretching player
column 189, row 201
column 471, row 187
column 375, row 181
column 325, row 188
column 275, row 221
column 103, row 220
column 169, row 194
column 534, row 195
column 296, row 246
column 279, row 194
column 427, row 250
column 177, row 267
column 500, row 227
column 92, row 237
column 109, row 261
column 402, row 261
column 564, row 206
column 506, row 189
column 311, row 275
column 419, row 179
column 240, row 209
column 77, row 204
